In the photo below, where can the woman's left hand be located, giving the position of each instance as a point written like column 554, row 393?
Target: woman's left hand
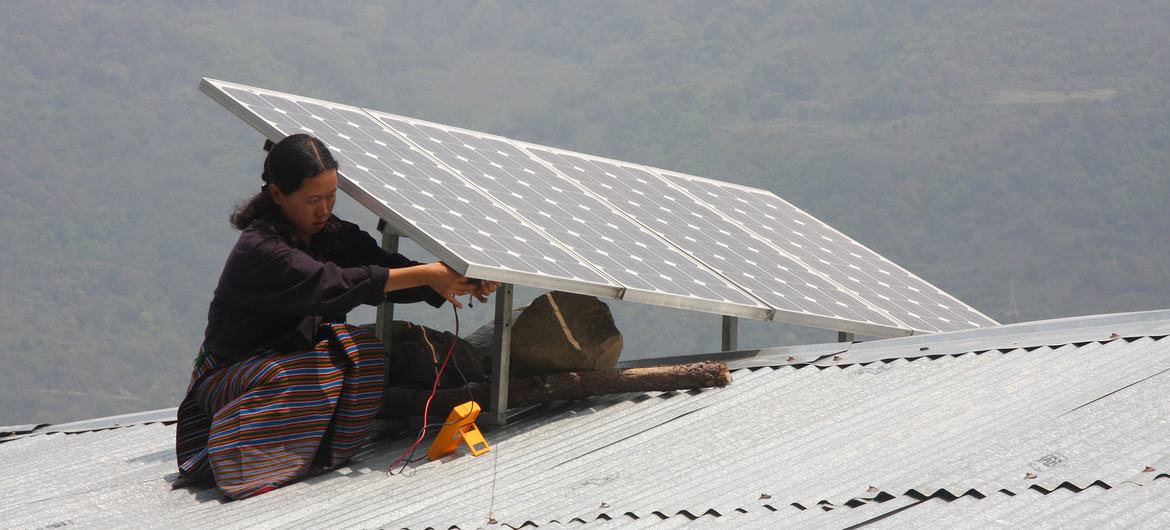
column 483, row 289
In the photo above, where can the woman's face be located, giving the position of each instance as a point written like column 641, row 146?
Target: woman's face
column 309, row 207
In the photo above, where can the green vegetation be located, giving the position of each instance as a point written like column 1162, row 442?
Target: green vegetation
column 975, row 143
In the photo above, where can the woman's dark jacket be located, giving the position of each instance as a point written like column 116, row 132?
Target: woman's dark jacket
column 274, row 293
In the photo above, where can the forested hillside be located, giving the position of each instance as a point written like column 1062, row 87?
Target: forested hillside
column 979, row 144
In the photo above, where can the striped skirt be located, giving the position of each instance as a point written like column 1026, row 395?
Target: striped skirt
column 259, row 424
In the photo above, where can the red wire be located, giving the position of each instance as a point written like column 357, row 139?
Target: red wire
column 427, row 408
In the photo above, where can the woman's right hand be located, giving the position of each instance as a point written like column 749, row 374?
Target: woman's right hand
column 448, row 283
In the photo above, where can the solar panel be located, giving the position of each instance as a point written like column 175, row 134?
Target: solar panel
column 919, row 305
column 798, row 293
column 522, row 213
column 650, row 269
column 447, row 216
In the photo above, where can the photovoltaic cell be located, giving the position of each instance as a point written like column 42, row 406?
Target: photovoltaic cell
column 775, row 277
column 904, row 296
column 650, row 269
column 423, row 199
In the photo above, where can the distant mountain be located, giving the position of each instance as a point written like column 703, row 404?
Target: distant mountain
column 975, row 143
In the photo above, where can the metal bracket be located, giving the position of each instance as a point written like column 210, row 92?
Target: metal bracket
column 498, row 411
column 730, row 333
column 385, row 318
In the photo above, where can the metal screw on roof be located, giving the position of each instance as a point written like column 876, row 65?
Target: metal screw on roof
column 872, row 489
column 1030, row 475
column 791, row 359
column 764, row 497
column 837, row 358
column 604, row 504
column 1149, row 469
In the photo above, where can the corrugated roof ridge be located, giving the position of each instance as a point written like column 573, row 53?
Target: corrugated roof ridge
column 164, row 416
column 1055, row 332
column 784, row 511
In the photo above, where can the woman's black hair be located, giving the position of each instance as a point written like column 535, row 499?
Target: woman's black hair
column 289, row 162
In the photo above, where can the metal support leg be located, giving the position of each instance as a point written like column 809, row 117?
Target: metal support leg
column 730, row 333
column 382, row 324
column 498, row 414
column 844, row 336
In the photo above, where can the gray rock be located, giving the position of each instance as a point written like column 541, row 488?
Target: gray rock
column 557, row 332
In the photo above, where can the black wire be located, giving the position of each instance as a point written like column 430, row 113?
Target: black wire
column 410, row 459
column 455, row 358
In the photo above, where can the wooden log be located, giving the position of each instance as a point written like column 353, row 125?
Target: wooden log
column 409, row 402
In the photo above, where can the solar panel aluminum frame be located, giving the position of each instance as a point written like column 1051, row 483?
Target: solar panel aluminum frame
column 762, row 311
column 908, row 330
column 777, row 314
column 399, row 225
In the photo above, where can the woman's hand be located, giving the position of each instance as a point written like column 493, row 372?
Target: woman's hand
column 450, row 284
column 483, row 289
column 443, row 279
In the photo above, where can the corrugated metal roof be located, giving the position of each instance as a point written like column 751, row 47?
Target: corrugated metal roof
column 782, row 445
column 1095, row 507
column 760, row 516
column 1023, row 335
column 1128, row 505
column 96, row 424
column 13, row 430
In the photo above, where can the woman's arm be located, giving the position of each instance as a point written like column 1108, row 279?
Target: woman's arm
column 361, row 249
column 438, row 276
column 264, row 273
column 408, row 280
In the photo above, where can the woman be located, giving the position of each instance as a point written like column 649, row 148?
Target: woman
column 282, row 386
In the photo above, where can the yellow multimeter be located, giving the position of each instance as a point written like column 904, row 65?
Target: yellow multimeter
column 460, row 426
